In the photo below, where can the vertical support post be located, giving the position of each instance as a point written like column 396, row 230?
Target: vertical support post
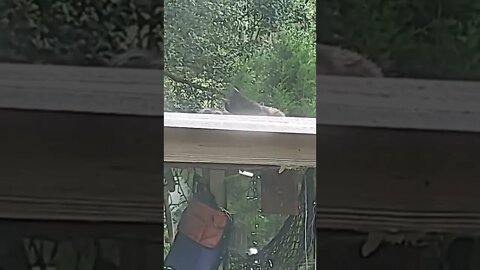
column 168, row 216
column 217, row 186
column 169, row 187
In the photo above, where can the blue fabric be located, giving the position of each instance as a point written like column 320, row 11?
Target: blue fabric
column 186, row 254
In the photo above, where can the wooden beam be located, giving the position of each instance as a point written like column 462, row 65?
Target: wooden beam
column 80, row 167
column 64, row 230
column 389, row 179
column 229, row 139
column 247, row 123
column 398, row 103
column 231, row 168
column 81, row 89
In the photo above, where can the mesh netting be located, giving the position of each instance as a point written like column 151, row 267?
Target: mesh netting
column 289, row 248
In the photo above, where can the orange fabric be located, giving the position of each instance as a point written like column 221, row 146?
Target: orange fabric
column 203, row 224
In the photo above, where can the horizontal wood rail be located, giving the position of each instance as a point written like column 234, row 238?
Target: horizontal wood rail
column 245, row 140
column 398, row 103
column 81, row 89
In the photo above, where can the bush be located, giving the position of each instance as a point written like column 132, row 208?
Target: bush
column 78, row 32
column 408, row 38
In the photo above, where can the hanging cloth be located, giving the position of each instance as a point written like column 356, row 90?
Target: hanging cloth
column 201, row 238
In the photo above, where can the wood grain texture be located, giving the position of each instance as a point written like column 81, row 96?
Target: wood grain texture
column 341, row 250
column 248, row 123
column 76, row 229
column 80, row 167
column 398, row 103
column 81, row 89
column 370, row 178
column 243, row 140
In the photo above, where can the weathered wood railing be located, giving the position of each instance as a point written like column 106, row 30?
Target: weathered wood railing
column 137, row 92
column 393, row 153
column 399, row 103
column 398, row 154
column 239, row 140
column 80, row 143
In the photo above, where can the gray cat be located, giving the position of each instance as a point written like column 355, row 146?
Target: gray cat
column 237, row 104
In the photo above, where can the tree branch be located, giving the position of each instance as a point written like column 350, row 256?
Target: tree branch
column 191, row 84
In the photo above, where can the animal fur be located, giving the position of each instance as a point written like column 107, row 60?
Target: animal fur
column 337, row 61
column 237, row 104
column 213, row 111
column 234, row 104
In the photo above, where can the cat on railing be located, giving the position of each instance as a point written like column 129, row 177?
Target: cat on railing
column 237, row 104
column 331, row 60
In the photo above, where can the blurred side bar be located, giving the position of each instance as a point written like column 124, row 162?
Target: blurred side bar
column 398, row 155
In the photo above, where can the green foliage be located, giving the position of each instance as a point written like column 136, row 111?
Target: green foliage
column 79, row 32
column 183, row 178
column 260, row 228
column 209, row 44
column 267, row 50
column 166, row 241
column 283, row 76
column 427, row 39
column 242, row 203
